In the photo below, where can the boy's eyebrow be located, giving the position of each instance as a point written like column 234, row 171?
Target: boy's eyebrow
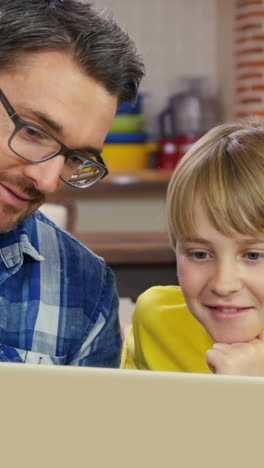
column 200, row 240
column 250, row 240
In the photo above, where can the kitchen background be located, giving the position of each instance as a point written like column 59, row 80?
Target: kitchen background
column 220, row 42
column 177, row 38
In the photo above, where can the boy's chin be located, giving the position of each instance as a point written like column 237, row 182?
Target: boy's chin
column 232, row 337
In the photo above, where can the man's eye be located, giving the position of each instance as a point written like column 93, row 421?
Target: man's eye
column 32, row 133
column 76, row 160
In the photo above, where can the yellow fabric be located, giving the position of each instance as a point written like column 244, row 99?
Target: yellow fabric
column 165, row 335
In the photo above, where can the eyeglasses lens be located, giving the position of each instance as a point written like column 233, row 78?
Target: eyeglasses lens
column 33, row 144
column 80, row 170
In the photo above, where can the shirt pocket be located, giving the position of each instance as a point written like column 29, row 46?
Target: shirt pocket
column 11, row 354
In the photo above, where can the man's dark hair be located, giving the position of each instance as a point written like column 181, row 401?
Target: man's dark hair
column 97, row 44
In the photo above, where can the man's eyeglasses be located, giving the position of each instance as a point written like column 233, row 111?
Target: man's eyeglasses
column 81, row 168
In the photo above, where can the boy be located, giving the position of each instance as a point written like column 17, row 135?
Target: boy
column 214, row 321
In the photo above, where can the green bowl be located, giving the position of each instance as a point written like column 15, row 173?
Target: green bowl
column 126, row 123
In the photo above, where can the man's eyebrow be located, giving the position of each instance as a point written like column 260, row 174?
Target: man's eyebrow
column 46, row 119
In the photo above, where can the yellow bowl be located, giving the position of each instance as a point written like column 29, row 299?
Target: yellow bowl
column 125, row 157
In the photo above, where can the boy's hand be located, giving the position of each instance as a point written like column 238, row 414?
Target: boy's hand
column 237, row 358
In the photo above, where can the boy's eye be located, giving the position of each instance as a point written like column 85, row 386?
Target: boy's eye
column 199, row 255
column 254, row 255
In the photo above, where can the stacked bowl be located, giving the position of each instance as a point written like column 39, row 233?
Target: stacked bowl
column 125, row 148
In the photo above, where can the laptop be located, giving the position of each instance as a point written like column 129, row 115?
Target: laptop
column 60, row 417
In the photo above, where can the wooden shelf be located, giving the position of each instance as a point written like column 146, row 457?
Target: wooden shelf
column 129, row 247
column 146, row 180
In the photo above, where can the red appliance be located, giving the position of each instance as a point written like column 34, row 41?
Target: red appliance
column 172, row 149
column 189, row 114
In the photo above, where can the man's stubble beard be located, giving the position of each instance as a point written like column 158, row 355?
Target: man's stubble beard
column 15, row 223
column 26, row 187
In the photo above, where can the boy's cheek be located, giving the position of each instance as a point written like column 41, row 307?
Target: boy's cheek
column 187, row 274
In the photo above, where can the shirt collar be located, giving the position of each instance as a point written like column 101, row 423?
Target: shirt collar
column 14, row 244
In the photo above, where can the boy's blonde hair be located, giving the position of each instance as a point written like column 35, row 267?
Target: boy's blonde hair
column 225, row 169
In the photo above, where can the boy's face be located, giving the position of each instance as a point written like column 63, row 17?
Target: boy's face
column 222, row 279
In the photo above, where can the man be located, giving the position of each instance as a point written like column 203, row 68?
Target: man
column 64, row 69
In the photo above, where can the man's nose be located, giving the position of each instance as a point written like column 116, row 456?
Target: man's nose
column 226, row 279
column 45, row 175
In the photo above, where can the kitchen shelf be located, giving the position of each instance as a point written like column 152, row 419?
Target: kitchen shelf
column 130, row 247
column 139, row 260
column 147, row 180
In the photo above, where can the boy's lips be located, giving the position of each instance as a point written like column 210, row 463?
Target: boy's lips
column 227, row 311
column 227, row 306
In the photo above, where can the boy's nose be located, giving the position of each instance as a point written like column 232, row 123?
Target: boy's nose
column 45, row 175
column 226, row 279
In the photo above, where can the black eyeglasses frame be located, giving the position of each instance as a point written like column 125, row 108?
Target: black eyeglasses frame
column 63, row 150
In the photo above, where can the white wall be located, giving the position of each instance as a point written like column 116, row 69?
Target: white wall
column 175, row 37
column 123, row 212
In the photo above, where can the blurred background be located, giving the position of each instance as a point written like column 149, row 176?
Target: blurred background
column 187, row 47
column 204, row 61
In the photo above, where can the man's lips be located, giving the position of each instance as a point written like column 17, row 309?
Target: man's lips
column 17, row 193
column 14, row 197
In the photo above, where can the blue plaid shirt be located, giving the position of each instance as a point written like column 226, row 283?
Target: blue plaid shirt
column 58, row 301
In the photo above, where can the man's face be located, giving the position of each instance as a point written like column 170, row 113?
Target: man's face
column 222, row 279
column 49, row 90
